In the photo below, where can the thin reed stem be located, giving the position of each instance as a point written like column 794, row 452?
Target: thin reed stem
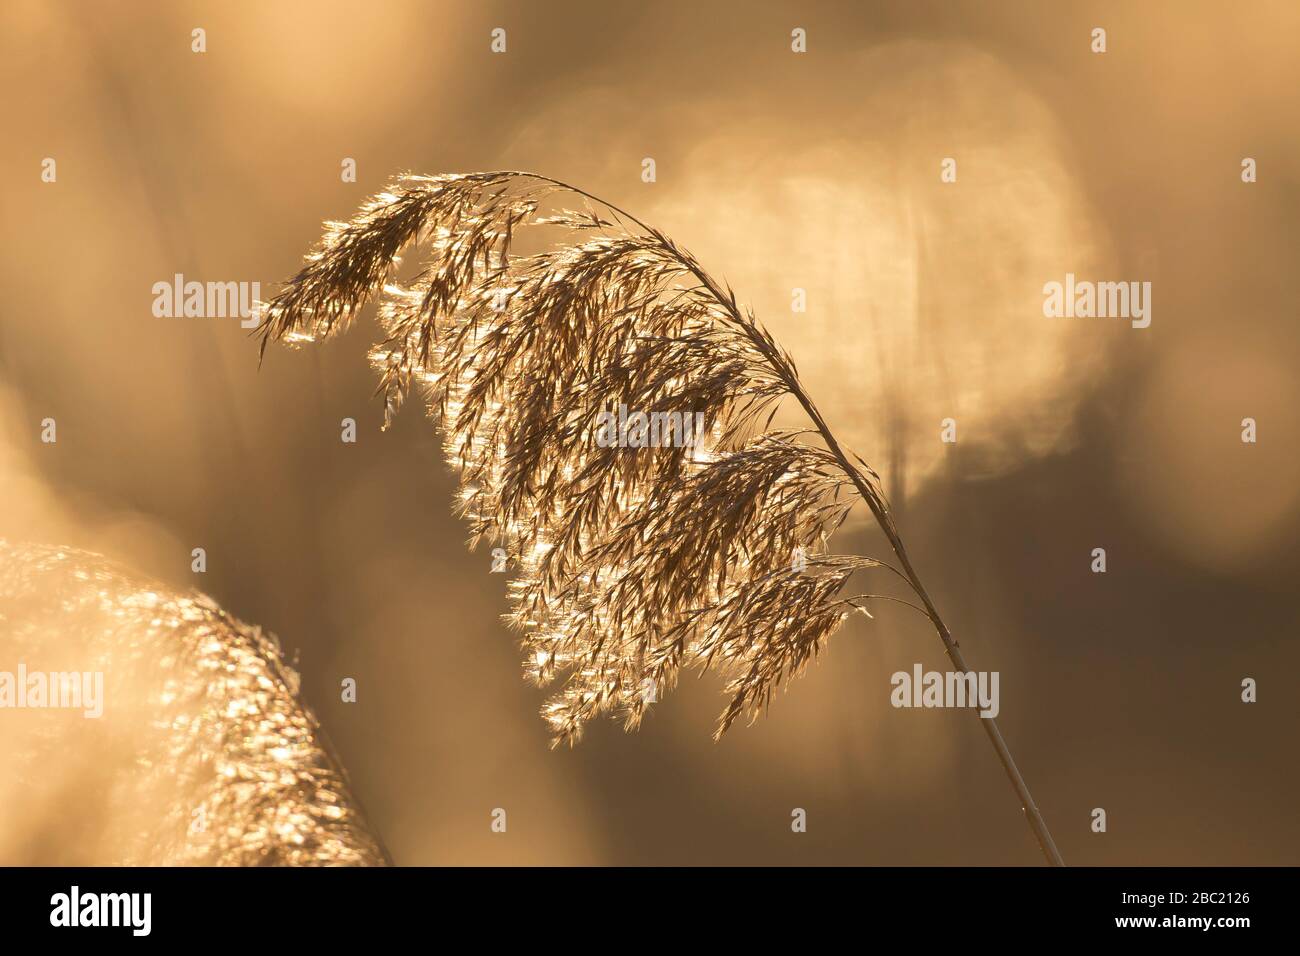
column 881, row 512
column 1035, row 819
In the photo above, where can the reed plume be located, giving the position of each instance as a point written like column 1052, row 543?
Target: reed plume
column 631, row 563
column 205, row 753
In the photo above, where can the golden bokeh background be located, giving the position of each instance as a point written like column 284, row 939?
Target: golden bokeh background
column 818, row 171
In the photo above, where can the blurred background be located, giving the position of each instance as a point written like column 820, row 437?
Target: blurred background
column 817, row 171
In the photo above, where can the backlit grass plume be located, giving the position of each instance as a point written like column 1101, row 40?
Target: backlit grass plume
column 632, row 563
column 204, row 752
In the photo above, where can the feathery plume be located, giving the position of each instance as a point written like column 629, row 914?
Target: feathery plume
column 632, row 563
column 205, row 754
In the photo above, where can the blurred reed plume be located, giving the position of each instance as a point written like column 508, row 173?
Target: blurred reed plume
column 204, row 754
column 631, row 563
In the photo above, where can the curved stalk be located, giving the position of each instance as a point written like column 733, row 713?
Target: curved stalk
column 1032, row 815
column 878, row 509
